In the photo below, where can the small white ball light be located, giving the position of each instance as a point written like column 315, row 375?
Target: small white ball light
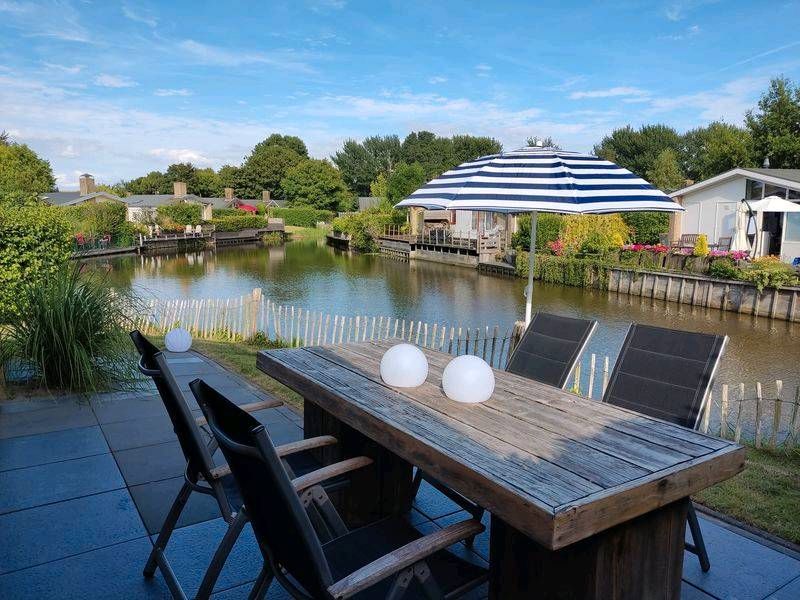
column 404, row 365
column 468, row 379
column 178, row 340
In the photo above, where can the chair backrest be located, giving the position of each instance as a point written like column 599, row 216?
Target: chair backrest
column 281, row 525
column 665, row 373
column 550, row 348
column 689, row 239
column 154, row 364
column 724, row 243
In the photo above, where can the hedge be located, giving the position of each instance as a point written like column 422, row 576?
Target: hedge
column 239, row 223
column 179, row 214
column 35, row 240
column 302, row 216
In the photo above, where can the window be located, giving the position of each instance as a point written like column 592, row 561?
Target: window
column 755, row 190
column 794, row 195
column 774, row 190
column 792, row 227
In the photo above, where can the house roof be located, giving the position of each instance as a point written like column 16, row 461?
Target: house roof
column 156, row 200
column 72, row 198
column 783, row 177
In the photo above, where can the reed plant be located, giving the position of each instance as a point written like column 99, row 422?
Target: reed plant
column 72, row 333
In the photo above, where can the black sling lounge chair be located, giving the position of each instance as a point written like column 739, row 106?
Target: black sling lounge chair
column 387, row 559
column 549, row 350
column 667, row 374
column 201, row 475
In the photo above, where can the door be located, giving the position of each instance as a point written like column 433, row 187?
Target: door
column 724, row 221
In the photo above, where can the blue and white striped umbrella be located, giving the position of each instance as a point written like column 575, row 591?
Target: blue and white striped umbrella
column 537, row 179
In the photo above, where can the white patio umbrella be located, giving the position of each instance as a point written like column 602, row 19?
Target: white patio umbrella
column 768, row 204
column 537, row 179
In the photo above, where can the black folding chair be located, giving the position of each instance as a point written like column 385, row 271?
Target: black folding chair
column 549, row 350
column 201, row 474
column 667, row 374
column 387, row 559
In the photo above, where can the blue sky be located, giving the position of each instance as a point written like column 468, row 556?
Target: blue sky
column 121, row 88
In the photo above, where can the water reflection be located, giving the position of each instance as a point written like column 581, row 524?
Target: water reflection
column 311, row 275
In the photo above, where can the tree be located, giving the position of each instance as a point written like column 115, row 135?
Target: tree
column 665, row 172
column 361, row 162
column 184, row 172
column 637, row 150
column 227, row 176
column 316, row 183
column 5, row 139
column 713, row 149
column 434, row 154
column 22, row 172
column 547, row 142
column 470, row 147
column 775, row 126
column 405, row 180
column 118, row 189
column 207, row 183
column 264, row 169
column 380, row 187
column 152, row 183
column 291, row 142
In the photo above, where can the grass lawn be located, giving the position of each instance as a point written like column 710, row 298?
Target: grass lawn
column 306, row 233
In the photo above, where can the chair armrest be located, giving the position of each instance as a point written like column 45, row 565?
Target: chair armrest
column 403, row 557
column 340, row 468
column 220, row 471
column 307, row 444
column 251, row 407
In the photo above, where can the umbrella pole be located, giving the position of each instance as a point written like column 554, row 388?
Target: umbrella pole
column 531, row 259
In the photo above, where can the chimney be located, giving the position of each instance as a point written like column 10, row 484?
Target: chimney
column 179, row 189
column 265, row 195
column 228, row 193
column 87, row 184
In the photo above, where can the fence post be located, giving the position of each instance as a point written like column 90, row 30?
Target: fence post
column 759, row 408
column 707, row 411
column 590, row 391
column 737, row 436
column 723, row 413
column 776, row 417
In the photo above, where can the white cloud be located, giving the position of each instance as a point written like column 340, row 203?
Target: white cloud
column 69, row 151
column 140, row 15
column 729, row 102
column 182, row 155
column 689, row 32
column 483, row 69
column 437, row 79
column 678, row 9
column 223, row 57
column 318, row 5
column 69, row 69
column 612, row 92
column 172, row 92
column 114, row 81
column 55, row 19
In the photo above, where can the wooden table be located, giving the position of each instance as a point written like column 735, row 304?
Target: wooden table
column 588, row 500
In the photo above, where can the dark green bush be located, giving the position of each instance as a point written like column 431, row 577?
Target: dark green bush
column 364, row 227
column 35, row 241
column 548, row 229
column 221, row 213
column 302, row 216
column 239, row 223
column 723, row 268
column 646, row 226
column 179, row 214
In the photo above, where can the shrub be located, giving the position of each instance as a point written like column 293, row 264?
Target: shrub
column 548, row 229
column 701, row 246
column 179, row 214
column 221, row 213
column 102, row 218
column 768, row 271
column 35, row 240
column 645, row 227
column 302, row 216
column 316, row 183
column 239, row 223
column 565, row 270
column 723, row 268
column 603, row 233
column 73, row 331
column 364, row 227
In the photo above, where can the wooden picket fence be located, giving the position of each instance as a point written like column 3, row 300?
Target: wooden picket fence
column 738, row 412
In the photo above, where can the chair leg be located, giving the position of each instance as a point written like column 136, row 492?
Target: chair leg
column 401, row 584
column 167, row 528
column 262, row 584
column 430, row 588
column 699, row 546
column 417, row 481
column 221, row 555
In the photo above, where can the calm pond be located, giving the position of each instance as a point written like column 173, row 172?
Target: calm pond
column 308, row 274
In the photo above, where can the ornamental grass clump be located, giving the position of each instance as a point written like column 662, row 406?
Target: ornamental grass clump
column 72, row 332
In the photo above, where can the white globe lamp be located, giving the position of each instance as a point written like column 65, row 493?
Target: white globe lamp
column 178, row 340
column 468, row 379
column 404, row 365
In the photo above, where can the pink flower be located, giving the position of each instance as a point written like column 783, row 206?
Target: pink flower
column 556, row 247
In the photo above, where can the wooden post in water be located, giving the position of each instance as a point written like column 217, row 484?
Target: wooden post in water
column 776, row 417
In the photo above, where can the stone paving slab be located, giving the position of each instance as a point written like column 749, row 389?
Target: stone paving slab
column 69, row 415
column 43, row 448
column 154, row 500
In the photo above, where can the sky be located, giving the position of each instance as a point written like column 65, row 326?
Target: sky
column 122, row 88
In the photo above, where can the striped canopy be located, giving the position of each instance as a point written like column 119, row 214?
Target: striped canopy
column 541, row 179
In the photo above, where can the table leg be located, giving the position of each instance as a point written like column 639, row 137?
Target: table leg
column 642, row 558
column 383, row 489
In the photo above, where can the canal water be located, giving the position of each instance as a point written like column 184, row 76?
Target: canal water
column 310, row 275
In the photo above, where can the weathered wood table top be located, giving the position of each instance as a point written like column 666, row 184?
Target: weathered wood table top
column 557, row 467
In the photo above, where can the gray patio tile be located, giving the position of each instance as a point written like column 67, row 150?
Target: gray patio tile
column 113, row 573
column 43, row 484
column 135, row 433
column 42, row 448
column 46, row 533
column 791, row 591
column 284, row 432
column 155, row 499
column 740, row 568
column 241, row 592
column 151, row 463
column 113, row 410
column 689, row 592
column 68, row 415
column 191, row 548
column 432, row 503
